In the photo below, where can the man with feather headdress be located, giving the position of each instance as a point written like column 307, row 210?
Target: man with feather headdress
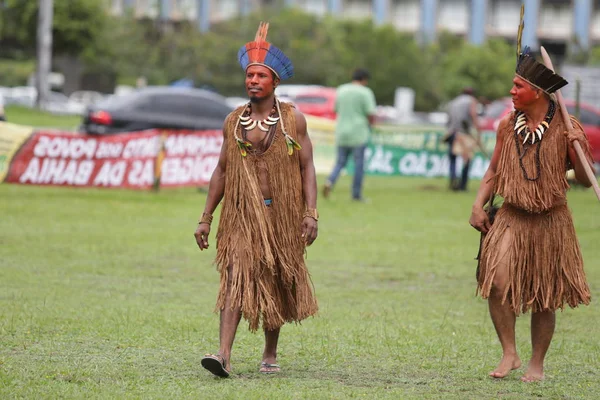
column 267, row 179
column 530, row 259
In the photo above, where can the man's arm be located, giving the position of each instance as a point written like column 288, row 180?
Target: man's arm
column 578, row 134
column 474, row 115
column 216, row 189
column 371, row 107
column 479, row 219
column 309, row 180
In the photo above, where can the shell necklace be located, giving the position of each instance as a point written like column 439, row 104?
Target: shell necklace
column 264, row 125
column 249, row 124
column 523, row 130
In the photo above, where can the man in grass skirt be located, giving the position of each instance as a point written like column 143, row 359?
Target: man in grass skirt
column 530, row 259
column 266, row 178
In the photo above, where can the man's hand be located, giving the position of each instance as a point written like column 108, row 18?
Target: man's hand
column 575, row 134
column 309, row 230
column 201, row 235
column 479, row 220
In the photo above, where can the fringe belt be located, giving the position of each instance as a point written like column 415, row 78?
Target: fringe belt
column 541, row 252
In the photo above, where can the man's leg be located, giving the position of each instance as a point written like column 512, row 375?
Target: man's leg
column 269, row 358
column 230, row 319
column 503, row 316
column 359, row 171
column 452, row 161
column 542, row 330
column 340, row 163
column 464, row 179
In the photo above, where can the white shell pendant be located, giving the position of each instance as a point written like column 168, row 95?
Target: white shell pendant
column 250, row 125
column 539, row 132
column 261, row 127
column 526, row 136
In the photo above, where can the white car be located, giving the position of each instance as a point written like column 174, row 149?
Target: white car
column 58, row 103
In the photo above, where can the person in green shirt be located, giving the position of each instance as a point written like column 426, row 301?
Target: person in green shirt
column 355, row 107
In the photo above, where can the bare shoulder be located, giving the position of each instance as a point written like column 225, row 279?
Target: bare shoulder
column 505, row 123
column 298, row 114
column 300, row 121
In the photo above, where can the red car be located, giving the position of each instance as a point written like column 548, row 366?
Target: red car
column 588, row 116
column 319, row 102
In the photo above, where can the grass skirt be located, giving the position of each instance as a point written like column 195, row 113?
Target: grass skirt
column 543, row 259
column 272, row 294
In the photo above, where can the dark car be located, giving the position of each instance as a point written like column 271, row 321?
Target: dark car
column 588, row 116
column 157, row 107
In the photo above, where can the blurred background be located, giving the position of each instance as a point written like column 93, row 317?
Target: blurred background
column 429, row 49
column 129, row 65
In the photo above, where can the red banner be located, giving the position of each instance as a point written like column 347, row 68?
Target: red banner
column 185, row 158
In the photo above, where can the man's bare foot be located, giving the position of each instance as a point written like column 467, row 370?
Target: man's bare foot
column 507, row 364
column 534, row 373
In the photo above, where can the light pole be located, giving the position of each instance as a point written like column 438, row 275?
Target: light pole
column 44, row 49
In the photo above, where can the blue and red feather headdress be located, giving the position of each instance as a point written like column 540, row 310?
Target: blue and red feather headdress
column 261, row 52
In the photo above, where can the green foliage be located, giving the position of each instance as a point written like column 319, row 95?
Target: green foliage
column 595, row 56
column 129, row 48
column 489, row 69
column 325, row 51
column 76, row 24
column 15, row 73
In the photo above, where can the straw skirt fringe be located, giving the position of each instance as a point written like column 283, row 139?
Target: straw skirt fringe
column 271, row 295
column 543, row 257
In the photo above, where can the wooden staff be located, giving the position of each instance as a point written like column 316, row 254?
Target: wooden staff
column 584, row 161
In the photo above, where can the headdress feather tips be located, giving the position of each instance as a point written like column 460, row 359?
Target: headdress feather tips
column 533, row 71
column 261, row 52
column 520, row 31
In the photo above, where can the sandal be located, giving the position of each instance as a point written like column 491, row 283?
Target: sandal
column 215, row 364
column 266, row 368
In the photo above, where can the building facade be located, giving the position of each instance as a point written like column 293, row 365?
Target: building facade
column 547, row 22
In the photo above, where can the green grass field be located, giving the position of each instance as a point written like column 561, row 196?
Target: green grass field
column 104, row 294
column 31, row 117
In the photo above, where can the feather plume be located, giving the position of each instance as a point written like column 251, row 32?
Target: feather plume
column 520, row 31
column 264, row 53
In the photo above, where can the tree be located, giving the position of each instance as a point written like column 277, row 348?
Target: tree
column 76, row 25
column 489, row 69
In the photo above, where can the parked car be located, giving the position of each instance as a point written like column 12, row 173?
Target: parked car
column 588, row 116
column 157, row 107
column 291, row 91
column 319, row 102
column 87, row 97
column 58, row 103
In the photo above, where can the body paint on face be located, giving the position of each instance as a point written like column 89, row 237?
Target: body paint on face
column 523, row 94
